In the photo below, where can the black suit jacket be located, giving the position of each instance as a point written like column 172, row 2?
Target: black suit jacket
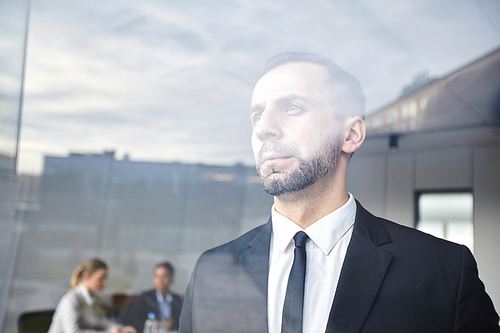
column 137, row 312
column 394, row 279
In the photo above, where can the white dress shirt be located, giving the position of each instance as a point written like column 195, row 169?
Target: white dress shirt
column 79, row 312
column 325, row 250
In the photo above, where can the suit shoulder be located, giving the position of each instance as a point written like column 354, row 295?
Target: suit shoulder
column 381, row 230
column 413, row 235
column 241, row 243
column 148, row 293
column 144, row 298
column 413, row 244
column 227, row 255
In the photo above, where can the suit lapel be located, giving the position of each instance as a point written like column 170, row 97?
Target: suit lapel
column 153, row 303
column 362, row 274
column 253, row 274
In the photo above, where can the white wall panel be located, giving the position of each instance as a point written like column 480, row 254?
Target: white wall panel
column 487, row 218
column 444, row 169
column 400, row 188
column 367, row 179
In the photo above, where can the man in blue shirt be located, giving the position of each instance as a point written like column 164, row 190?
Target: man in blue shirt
column 161, row 301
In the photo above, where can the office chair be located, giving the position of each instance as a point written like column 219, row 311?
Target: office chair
column 34, row 321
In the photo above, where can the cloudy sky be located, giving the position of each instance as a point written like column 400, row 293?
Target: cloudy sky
column 172, row 80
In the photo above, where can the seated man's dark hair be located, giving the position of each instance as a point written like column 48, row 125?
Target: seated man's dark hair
column 168, row 266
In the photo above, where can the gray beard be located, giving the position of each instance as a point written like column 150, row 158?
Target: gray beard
column 307, row 173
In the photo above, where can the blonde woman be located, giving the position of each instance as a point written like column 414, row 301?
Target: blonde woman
column 78, row 310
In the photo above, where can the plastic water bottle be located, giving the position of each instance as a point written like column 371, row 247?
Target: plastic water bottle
column 151, row 324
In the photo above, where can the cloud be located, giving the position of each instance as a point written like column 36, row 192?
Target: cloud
column 172, row 80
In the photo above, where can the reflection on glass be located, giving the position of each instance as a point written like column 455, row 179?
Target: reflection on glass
column 170, row 81
column 13, row 25
column 132, row 214
column 13, row 28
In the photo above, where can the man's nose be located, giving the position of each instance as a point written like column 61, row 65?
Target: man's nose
column 268, row 126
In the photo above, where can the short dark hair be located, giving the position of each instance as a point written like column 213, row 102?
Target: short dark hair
column 168, row 266
column 347, row 91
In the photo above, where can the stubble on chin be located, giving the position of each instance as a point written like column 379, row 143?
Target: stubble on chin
column 282, row 182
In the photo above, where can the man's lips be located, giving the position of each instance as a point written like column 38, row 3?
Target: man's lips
column 269, row 158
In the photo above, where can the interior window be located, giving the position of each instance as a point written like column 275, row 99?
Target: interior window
column 447, row 215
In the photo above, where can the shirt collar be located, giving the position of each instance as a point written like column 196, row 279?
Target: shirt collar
column 86, row 295
column 160, row 298
column 325, row 232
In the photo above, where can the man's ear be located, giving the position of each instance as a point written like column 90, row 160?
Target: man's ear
column 354, row 134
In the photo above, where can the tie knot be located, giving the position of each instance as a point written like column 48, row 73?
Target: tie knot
column 300, row 239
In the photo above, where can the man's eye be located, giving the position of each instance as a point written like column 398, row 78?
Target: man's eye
column 257, row 117
column 294, row 108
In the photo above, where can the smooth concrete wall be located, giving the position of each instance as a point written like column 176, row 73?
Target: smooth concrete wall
column 386, row 183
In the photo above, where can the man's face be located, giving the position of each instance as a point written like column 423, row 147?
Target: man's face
column 161, row 279
column 296, row 138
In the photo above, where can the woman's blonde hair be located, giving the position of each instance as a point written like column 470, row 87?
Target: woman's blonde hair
column 89, row 266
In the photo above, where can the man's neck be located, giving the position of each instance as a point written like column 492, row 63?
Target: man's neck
column 311, row 204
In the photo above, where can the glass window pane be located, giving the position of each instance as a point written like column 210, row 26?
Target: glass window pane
column 448, row 216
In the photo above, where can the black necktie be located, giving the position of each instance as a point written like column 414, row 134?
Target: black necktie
column 294, row 298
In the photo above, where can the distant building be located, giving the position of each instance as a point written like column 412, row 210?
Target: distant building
column 165, row 207
column 467, row 101
column 134, row 214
